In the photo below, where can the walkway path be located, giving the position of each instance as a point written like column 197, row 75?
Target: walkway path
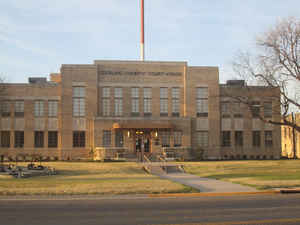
column 206, row 184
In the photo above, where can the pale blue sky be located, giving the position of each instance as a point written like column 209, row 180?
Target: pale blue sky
column 37, row 36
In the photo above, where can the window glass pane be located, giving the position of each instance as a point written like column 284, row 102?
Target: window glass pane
column 106, row 138
column 202, row 106
column 135, row 105
column 164, row 106
column 5, row 108
column 226, row 138
column 118, row 93
column 163, row 92
column 135, row 92
column 106, row 107
column 52, row 139
column 19, row 139
column 39, row 139
column 175, row 93
column 147, row 105
column 79, row 139
column 147, row 92
column 5, row 139
column 202, row 138
column 119, row 139
column 268, row 109
column 52, row 108
column 38, row 108
column 177, row 138
column 79, row 92
column 175, row 105
column 106, row 92
column 165, row 138
column 19, row 106
column 118, row 107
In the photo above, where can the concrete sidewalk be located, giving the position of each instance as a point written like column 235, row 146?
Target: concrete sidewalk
column 206, row 184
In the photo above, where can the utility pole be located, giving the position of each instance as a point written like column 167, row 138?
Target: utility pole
column 142, row 32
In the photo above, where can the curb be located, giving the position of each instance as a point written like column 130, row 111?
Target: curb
column 290, row 191
column 207, row 194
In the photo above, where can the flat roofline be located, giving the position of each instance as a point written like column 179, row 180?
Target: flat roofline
column 139, row 62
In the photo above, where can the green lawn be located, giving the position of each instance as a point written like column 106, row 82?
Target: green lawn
column 77, row 178
column 260, row 174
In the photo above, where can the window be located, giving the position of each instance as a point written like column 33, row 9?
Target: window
column 52, row 108
column 256, row 138
column 19, row 139
column 39, row 139
column 255, row 109
column 135, row 101
column 268, row 139
column 202, row 101
column 119, row 139
column 226, row 139
column 165, row 138
column 118, row 101
column 79, row 101
column 52, row 139
column 267, row 109
column 78, row 139
column 5, row 139
column 19, row 109
column 202, row 139
column 106, row 101
column 163, row 101
column 147, row 101
column 39, row 108
column 175, row 101
column 5, row 109
column 177, row 138
column 238, row 137
column 106, row 138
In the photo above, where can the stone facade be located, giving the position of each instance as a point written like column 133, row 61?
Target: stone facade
column 291, row 138
column 131, row 105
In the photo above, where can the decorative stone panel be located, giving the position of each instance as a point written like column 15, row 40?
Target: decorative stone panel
column 256, row 124
column 226, row 124
column 238, row 124
column 5, row 124
column 79, row 124
column 52, row 124
column 39, row 124
column 19, row 124
column 202, row 124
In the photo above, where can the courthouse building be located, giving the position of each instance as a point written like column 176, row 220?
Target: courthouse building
column 136, row 106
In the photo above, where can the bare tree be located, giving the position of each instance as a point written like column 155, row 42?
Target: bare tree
column 275, row 65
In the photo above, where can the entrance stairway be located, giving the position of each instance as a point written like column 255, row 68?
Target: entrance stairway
column 159, row 166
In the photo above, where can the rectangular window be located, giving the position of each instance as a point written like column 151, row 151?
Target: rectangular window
column 268, row 109
column 52, row 108
column 38, row 139
column 5, row 109
column 19, row 139
column 177, row 138
column 135, row 101
column 268, row 139
column 238, row 136
column 225, row 109
column 106, row 101
column 5, row 139
column 226, row 138
column 175, row 101
column 202, row 101
column 202, row 138
column 256, row 138
column 255, row 109
column 78, row 139
column 119, row 139
column 163, row 101
column 39, row 108
column 147, row 101
column 118, row 101
column 19, row 109
column 52, row 139
column 78, row 101
column 106, row 138
column 165, row 138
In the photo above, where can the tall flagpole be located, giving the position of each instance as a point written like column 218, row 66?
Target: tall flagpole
column 142, row 32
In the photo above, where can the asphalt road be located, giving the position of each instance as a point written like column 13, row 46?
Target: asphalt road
column 251, row 209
